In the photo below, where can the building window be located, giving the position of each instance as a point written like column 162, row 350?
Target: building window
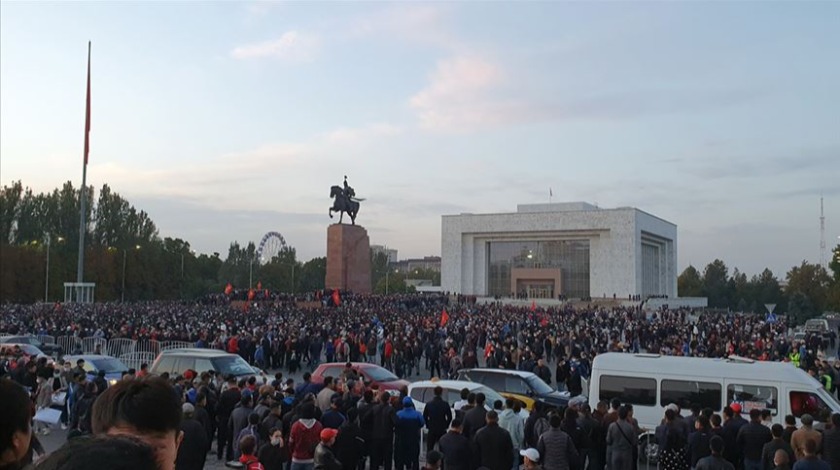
column 686, row 393
column 802, row 403
column 632, row 390
column 753, row 397
column 571, row 257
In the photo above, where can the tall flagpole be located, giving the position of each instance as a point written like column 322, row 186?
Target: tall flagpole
column 80, row 269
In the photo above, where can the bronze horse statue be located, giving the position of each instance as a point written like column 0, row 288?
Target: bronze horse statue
column 344, row 203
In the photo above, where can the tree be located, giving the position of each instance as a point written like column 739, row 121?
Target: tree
column 313, row 274
column 715, row 279
column 810, row 280
column 379, row 266
column 800, row 308
column 689, row 283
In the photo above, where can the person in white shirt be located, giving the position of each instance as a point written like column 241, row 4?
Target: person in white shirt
column 463, row 401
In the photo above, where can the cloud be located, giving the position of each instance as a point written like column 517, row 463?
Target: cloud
column 357, row 134
column 457, row 94
column 292, row 46
column 417, row 23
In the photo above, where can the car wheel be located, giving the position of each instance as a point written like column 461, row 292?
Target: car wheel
column 648, row 450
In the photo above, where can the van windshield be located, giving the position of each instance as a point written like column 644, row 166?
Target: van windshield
column 232, row 365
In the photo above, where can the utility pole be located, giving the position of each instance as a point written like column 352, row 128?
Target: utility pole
column 47, row 282
column 822, row 236
column 125, row 256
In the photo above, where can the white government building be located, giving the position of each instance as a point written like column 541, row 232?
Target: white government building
column 546, row 250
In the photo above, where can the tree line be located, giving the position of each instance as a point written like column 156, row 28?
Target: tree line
column 807, row 291
column 124, row 253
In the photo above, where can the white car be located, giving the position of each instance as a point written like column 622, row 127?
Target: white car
column 422, row 392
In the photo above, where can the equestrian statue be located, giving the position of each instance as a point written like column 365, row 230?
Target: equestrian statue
column 345, row 201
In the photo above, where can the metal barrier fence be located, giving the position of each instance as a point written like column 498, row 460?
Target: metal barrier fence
column 131, row 352
column 119, row 346
column 46, row 339
column 175, row 345
column 93, row 345
column 135, row 359
column 69, row 344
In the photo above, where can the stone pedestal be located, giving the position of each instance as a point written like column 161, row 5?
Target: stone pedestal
column 348, row 259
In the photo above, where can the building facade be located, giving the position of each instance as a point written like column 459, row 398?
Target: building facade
column 389, row 252
column 571, row 249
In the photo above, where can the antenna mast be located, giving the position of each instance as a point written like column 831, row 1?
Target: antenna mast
column 822, row 235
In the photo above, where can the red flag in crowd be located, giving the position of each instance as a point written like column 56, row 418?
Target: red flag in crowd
column 266, row 294
column 336, row 298
column 228, row 289
column 444, row 318
column 259, row 285
column 533, row 305
column 251, row 294
column 543, row 321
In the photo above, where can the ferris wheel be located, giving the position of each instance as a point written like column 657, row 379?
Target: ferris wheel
column 271, row 245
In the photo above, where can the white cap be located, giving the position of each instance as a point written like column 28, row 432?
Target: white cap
column 532, row 454
column 673, row 407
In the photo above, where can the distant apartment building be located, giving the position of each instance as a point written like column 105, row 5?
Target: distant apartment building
column 428, row 263
column 389, row 252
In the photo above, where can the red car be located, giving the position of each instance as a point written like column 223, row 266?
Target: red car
column 372, row 374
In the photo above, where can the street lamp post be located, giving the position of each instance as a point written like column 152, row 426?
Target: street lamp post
column 47, row 276
column 125, row 257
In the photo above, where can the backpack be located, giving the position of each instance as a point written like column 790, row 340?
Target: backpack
column 253, row 464
column 252, row 431
column 541, row 426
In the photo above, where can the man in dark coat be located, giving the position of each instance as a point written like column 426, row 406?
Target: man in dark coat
column 193, row 449
column 475, row 418
column 227, row 402
column 383, row 419
column 493, row 445
column 831, row 442
column 455, row 448
column 349, row 446
column 437, row 415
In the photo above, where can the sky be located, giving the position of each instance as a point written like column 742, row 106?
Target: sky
column 227, row 120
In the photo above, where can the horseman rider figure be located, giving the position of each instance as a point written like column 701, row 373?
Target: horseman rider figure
column 345, row 201
column 349, row 192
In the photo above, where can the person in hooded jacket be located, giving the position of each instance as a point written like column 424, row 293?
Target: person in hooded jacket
column 407, row 432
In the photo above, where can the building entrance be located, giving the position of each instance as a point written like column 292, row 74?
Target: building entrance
column 537, row 289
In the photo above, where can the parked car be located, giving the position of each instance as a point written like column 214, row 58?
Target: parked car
column 371, row 374
column 422, row 392
column 25, row 348
column 48, row 349
column 113, row 367
column 523, row 386
column 178, row 361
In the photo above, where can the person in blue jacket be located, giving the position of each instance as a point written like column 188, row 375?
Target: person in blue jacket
column 409, row 424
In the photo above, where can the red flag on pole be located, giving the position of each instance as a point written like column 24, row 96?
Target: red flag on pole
column 444, row 318
column 251, row 294
column 228, row 289
column 87, row 111
column 336, row 298
column 533, row 305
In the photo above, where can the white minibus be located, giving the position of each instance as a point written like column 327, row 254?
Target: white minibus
column 650, row 382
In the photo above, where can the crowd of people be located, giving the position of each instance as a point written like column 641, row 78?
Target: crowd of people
column 150, row 422
column 341, row 425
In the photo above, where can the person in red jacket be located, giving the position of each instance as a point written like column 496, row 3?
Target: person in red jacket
column 233, row 345
column 303, row 438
